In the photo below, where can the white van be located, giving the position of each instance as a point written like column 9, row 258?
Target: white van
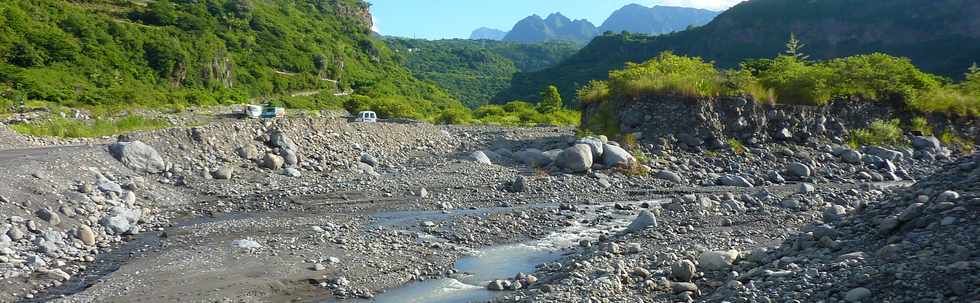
column 366, row 116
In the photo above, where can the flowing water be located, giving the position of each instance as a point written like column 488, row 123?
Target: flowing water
column 506, row 261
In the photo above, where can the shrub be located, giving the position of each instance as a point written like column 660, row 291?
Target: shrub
column 797, row 82
column 667, row 74
column 878, row 77
column 630, row 142
column 550, row 100
column 736, row 146
column 520, row 113
column 921, row 125
column 947, row 100
column 594, row 91
column 455, row 116
column 877, row 134
column 67, row 128
column 964, row 145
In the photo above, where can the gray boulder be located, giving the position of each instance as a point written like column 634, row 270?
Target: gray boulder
column 683, row 271
column 552, row 154
column 138, row 156
column 120, row 220
column 272, row 161
column 247, row 152
column 669, row 176
column 595, row 144
column 884, row 153
column 783, row 134
column 293, row 172
column 480, row 157
column 533, row 157
column 690, row 140
column 799, row 170
column 732, row 180
column 851, row 156
column 86, row 235
column 577, row 158
column 519, row 185
column 223, row 173
column 369, row 159
column 645, row 219
column 718, row 260
column 834, row 213
column 289, row 156
column 106, row 185
column 615, row 156
column 279, row 139
column 48, row 215
column 929, row 143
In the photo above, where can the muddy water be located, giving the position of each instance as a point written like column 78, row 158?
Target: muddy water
column 506, row 261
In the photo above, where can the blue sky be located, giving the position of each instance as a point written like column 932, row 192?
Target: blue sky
column 439, row 19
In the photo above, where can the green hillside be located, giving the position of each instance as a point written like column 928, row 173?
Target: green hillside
column 474, row 71
column 117, row 53
column 941, row 37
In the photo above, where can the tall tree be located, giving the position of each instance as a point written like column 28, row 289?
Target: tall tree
column 550, row 100
column 794, row 48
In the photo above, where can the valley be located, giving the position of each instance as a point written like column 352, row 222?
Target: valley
column 228, row 151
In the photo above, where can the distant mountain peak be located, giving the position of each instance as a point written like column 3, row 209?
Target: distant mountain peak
column 555, row 27
column 486, row 33
column 655, row 20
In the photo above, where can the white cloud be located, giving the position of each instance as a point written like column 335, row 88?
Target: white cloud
column 717, row 5
column 374, row 24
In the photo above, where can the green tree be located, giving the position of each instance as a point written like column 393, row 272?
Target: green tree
column 160, row 12
column 794, row 48
column 550, row 100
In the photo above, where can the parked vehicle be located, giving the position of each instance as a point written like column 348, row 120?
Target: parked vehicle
column 366, row 116
column 258, row 111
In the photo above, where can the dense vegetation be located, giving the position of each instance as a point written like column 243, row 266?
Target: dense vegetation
column 937, row 36
column 117, row 53
column 790, row 79
column 475, row 71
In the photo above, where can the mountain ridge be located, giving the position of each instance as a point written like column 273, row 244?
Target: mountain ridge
column 659, row 19
column 555, row 27
column 939, row 36
column 486, row 33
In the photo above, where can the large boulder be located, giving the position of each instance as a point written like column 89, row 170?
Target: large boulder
column 577, row 158
column 852, row 156
column 223, row 173
column 884, row 153
column 929, row 143
column 289, row 157
column 272, row 161
column 669, row 176
column 480, row 157
column 279, row 139
column 799, row 170
column 718, row 260
column 138, row 156
column 121, row 220
column 683, row 271
column 595, row 144
column 690, row 140
column 533, row 157
column 645, row 219
column 247, row 152
column 615, row 156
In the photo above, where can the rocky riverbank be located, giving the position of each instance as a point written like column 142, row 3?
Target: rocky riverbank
column 319, row 209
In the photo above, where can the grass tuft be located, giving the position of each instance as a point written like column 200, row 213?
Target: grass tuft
column 68, row 128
